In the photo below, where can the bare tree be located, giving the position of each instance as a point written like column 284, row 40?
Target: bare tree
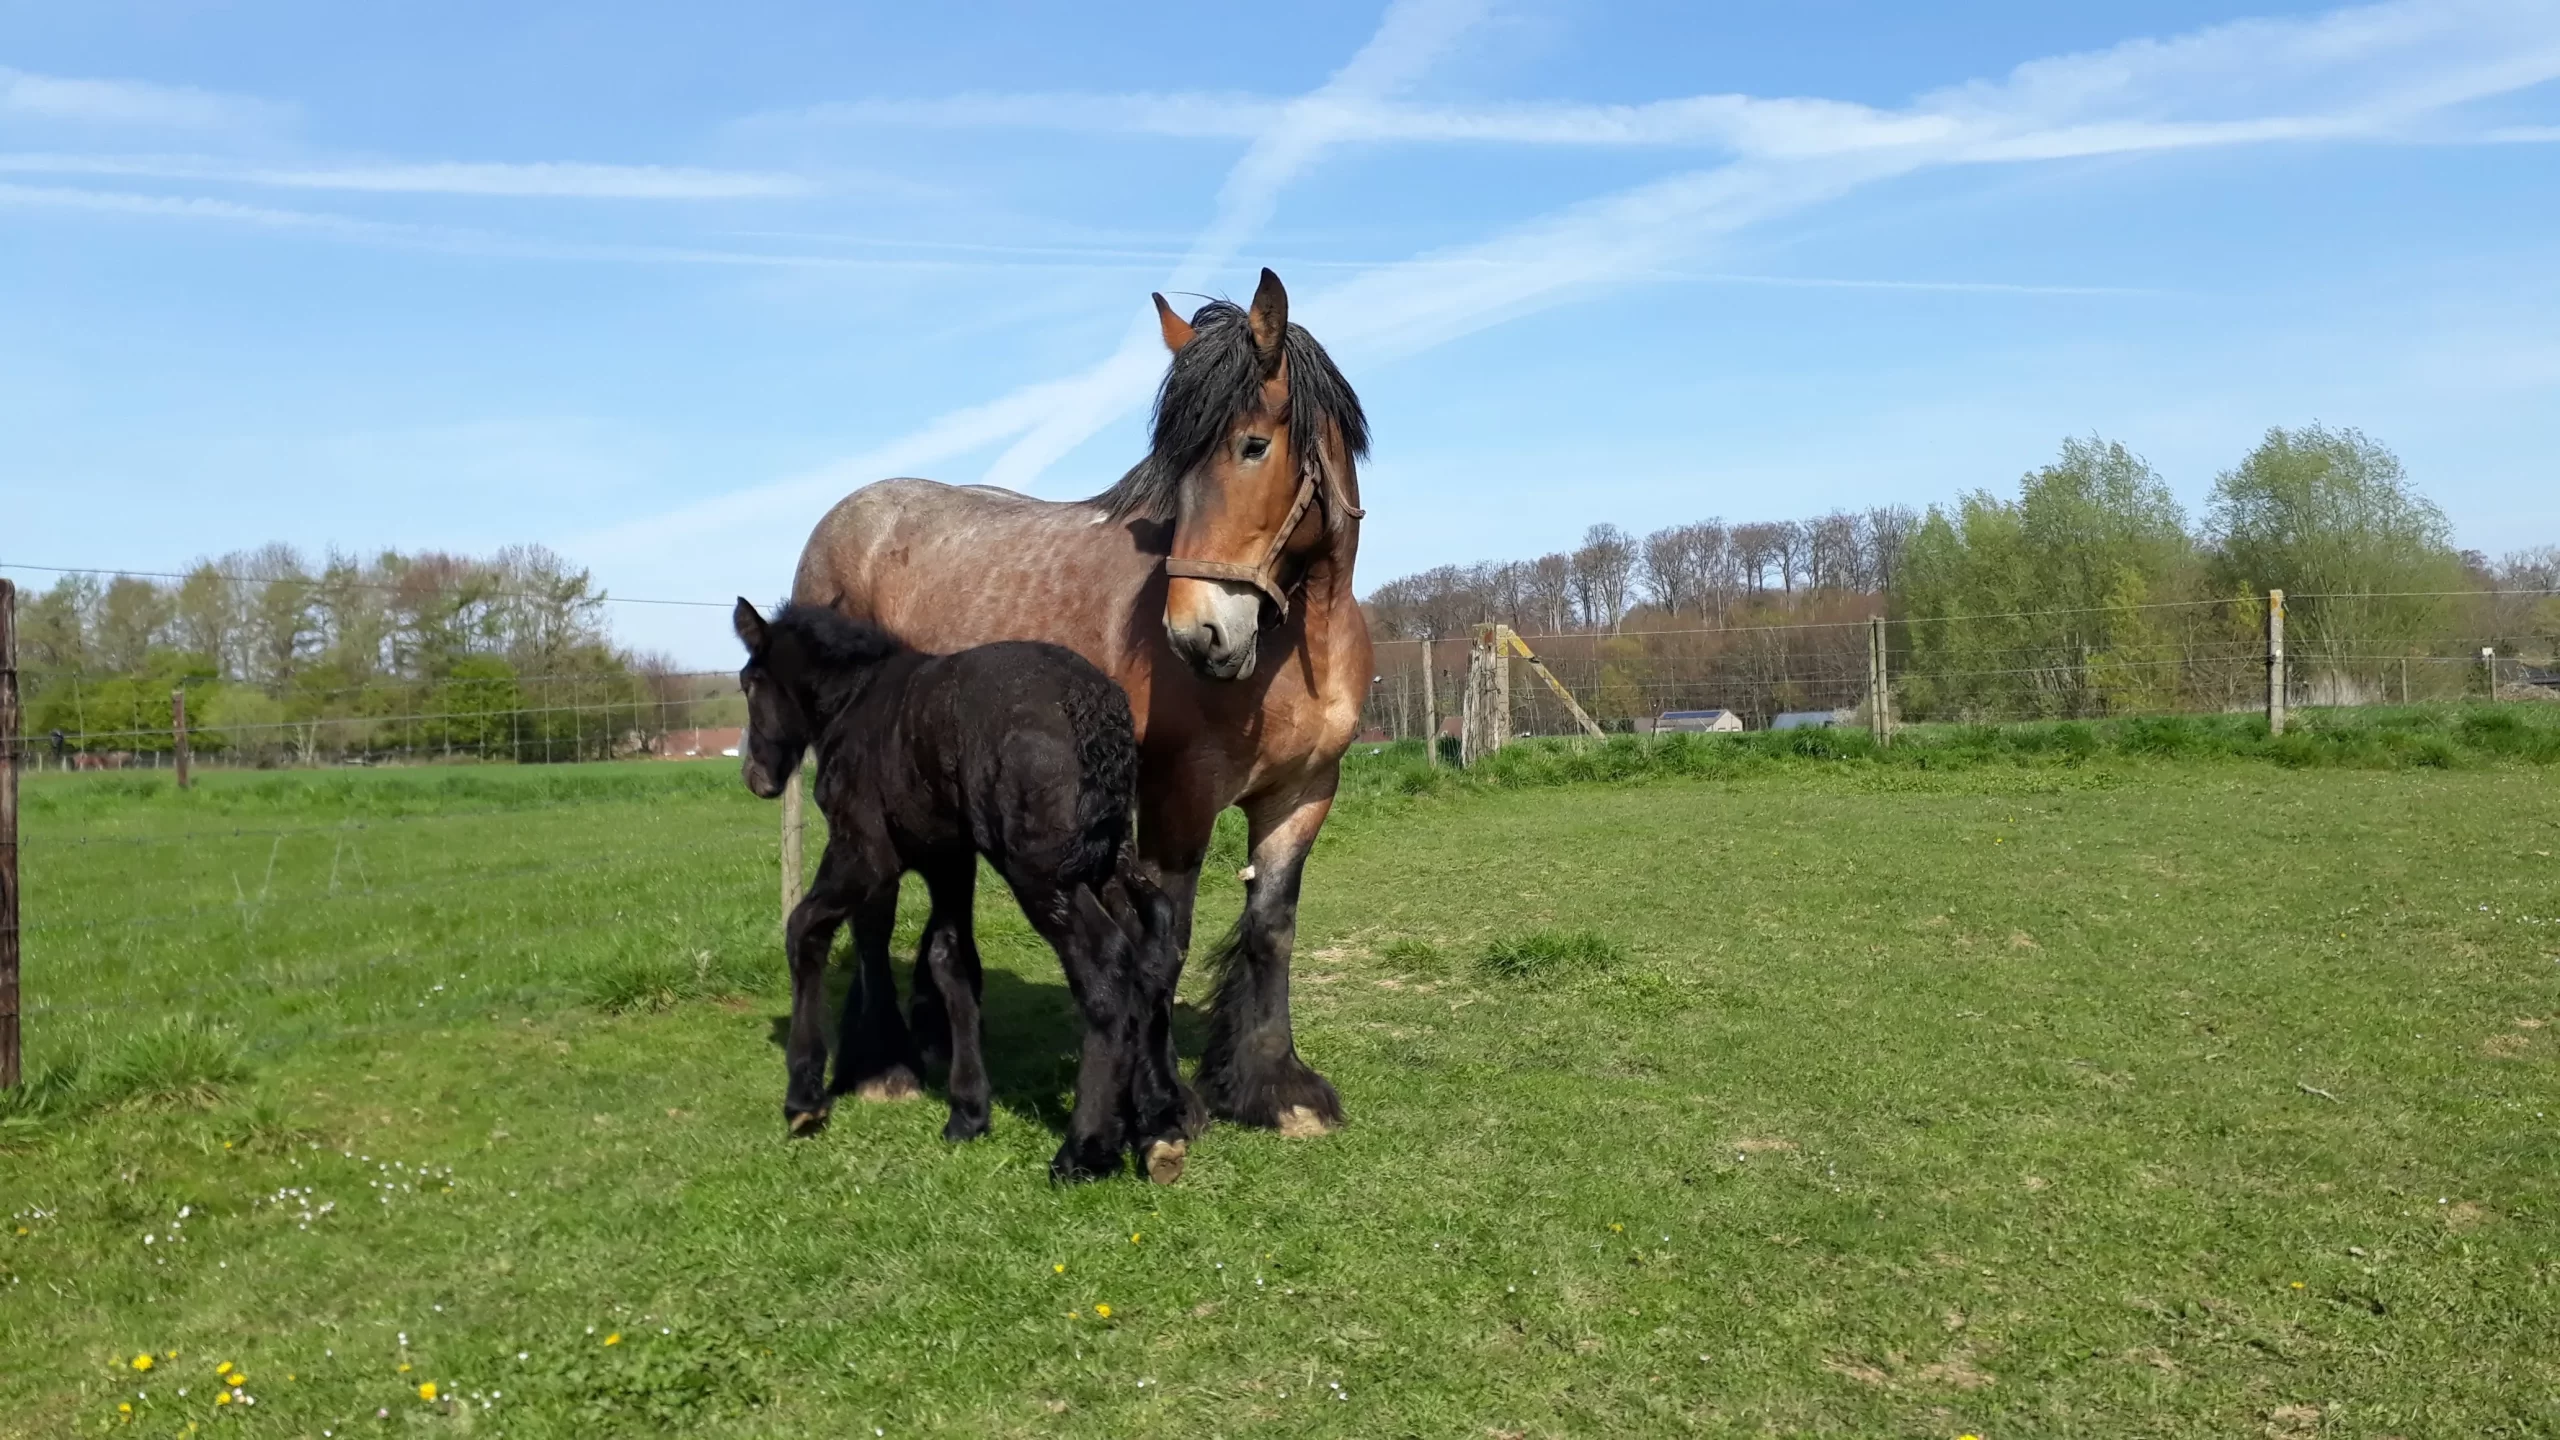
column 1602, row 569
column 1832, row 558
column 1550, row 591
column 1755, row 549
column 1670, row 581
column 1888, row 531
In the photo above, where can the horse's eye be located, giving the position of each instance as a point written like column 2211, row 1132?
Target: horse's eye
column 1255, row 447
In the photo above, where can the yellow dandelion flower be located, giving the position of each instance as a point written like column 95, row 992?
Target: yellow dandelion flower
column 239, row 1377
column 1075, row 1314
column 1102, row 1310
column 141, row 1362
column 404, row 1367
column 125, row 1409
column 1617, row 1229
column 1057, row 1269
column 1135, row 1237
column 614, row 1339
column 222, row 1369
column 427, row 1390
column 169, row 1355
column 23, row 1230
column 221, row 1397
column 2297, row 1284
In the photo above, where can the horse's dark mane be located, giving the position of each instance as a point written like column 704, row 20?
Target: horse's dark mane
column 823, row 650
column 1214, row 379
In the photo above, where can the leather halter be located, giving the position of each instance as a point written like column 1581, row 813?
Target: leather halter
column 1265, row 577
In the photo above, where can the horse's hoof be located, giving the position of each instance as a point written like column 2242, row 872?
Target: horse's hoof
column 1164, row 1161
column 805, row 1123
column 1069, row 1169
column 885, row 1089
column 1301, row 1122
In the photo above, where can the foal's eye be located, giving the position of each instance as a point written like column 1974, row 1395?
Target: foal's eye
column 1255, row 447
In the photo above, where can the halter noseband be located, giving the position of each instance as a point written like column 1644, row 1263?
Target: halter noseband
column 1265, row 577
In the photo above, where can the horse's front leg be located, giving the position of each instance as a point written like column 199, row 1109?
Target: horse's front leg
column 1251, row 1073
column 810, row 933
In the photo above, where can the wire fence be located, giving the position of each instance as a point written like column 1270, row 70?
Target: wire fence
column 496, row 867
column 2181, row 657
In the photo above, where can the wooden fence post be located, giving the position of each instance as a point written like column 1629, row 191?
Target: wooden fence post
column 8, row 835
column 2275, row 662
column 792, row 829
column 1430, row 709
column 1486, row 711
column 2489, row 669
column 178, row 732
column 1879, row 685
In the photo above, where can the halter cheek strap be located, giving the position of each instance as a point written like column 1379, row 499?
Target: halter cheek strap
column 1265, row 577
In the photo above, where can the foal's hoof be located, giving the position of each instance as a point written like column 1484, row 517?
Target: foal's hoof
column 889, row 1087
column 1301, row 1122
column 805, row 1123
column 1164, row 1160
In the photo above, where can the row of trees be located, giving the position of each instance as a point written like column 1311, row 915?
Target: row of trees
column 283, row 659
column 2089, row 591
column 1708, row 572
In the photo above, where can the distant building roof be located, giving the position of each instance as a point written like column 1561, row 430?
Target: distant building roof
column 1696, row 721
column 701, row 744
column 1808, row 719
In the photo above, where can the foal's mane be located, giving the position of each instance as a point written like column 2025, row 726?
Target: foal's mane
column 1217, row 377
column 827, row 648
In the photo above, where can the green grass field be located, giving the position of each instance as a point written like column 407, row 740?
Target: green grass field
column 2001, row 1086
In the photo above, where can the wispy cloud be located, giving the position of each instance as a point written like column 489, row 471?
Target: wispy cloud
column 130, row 103
column 462, row 240
column 535, row 180
column 2384, row 71
column 2252, row 80
column 1413, row 34
column 1054, row 416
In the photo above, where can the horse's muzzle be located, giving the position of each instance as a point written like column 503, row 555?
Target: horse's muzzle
column 760, row 781
column 1215, row 626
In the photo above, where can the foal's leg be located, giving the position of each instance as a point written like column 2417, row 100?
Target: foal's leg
column 875, row 1059
column 1074, row 924
column 807, row 938
column 1250, row 1072
column 947, row 967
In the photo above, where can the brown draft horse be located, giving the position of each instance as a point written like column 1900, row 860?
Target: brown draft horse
column 1213, row 582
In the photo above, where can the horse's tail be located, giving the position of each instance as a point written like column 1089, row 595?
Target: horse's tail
column 1107, row 777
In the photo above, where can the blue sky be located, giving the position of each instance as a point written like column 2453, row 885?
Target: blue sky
column 656, row 284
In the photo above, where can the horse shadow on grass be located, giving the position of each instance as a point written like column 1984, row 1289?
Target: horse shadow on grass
column 1034, row 1032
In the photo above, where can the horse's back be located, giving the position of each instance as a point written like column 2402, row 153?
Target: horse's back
column 945, row 567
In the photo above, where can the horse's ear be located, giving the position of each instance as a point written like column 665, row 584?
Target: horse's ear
column 1177, row 331
column 1269, row 321
column 749, row 625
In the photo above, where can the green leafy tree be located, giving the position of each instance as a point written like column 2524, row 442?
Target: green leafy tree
column 2048, row 604
column 2331, row 518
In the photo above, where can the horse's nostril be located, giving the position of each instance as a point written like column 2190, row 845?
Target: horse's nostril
column 1217, row 641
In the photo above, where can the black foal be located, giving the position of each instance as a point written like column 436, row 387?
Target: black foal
column 1018, row 751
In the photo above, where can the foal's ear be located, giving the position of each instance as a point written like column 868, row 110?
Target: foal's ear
column 1268, row 321
column 1177, row 331
column 749, row 625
